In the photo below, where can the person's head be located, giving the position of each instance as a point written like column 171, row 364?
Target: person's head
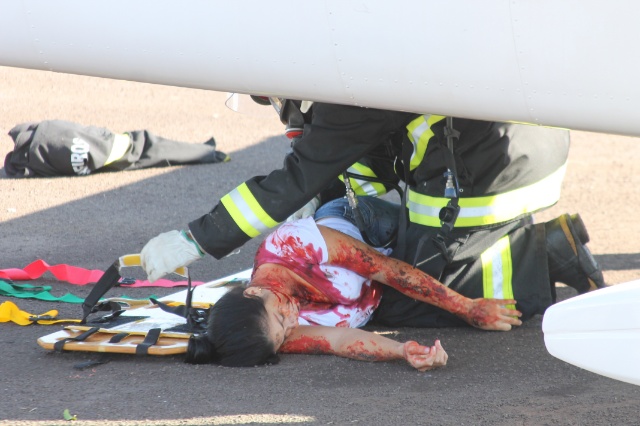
column 281, row 313
column 245, row 328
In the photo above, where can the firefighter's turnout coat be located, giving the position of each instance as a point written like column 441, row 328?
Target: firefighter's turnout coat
column 506, row 172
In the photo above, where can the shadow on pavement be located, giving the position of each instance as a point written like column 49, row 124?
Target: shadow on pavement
column 94, row 230
column 619, row 261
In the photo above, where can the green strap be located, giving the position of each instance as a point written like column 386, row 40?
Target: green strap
column 42, row 292
column 28, row 291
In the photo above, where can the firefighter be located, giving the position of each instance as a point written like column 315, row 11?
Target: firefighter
column 473, row 187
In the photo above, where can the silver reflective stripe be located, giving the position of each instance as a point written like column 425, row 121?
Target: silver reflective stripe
column 497, row 270
column 247, row 212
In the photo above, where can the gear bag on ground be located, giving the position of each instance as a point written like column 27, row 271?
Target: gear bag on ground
column 62, row 148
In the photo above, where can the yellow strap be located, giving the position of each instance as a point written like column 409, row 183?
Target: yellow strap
column 134, row 260
column 60, row 321
column 198, row 305
column 9, row 311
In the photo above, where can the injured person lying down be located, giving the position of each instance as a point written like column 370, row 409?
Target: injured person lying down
column 314, row 283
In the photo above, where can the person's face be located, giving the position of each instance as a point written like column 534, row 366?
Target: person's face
column 282, row 313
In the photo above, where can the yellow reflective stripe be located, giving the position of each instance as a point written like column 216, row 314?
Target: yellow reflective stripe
column 121, row 144
column 363, row 187
column 246, row 212
column 497, row 271
column 419, row 132
column 492, row 209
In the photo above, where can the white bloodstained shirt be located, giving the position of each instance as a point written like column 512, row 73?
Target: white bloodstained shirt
column 300, row 247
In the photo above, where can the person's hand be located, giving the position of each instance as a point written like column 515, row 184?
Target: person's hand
column 168, row 252
column 493, row 314
column 425, row 358
column 306, row 211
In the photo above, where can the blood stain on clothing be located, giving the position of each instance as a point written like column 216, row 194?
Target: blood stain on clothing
column 302, row 259
column 295, row 257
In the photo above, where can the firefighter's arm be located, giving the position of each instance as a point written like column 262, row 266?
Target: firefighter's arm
column 335, row 139
column 337, row 136
column 362, row 345
column 487, row 314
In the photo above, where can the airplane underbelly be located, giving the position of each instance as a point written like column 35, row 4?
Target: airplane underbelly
column 598, row 331
column 556, row 63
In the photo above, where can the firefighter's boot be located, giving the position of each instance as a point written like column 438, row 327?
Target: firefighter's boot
column 570, row 261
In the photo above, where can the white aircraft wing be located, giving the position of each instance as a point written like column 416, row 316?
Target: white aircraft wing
column 565, row 63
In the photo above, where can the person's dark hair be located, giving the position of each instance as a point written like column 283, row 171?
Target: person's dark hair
column 236, row 334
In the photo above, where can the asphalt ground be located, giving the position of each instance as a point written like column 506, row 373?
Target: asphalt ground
column 492, row 378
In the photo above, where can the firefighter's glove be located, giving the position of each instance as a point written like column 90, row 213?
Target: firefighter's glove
column 168, row 252
column 307, row 210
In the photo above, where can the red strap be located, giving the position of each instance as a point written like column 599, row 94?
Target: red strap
column 76, row 275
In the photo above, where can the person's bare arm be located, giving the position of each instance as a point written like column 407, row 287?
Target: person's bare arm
column 487, row 314
column 362, row 345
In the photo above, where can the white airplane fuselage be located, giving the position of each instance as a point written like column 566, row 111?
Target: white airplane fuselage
column 556, row 63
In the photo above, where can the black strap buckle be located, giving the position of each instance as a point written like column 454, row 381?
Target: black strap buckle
column 440, row 243
column 449, row 214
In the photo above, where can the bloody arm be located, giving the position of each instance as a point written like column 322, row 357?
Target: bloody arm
column 488, row 314
column 362, row 345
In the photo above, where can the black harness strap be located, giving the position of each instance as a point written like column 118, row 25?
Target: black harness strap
column 117, row 338
column 195, row 317
column 403, row 220
column 59, row 345
column 108, row 280
column 114, row 307
column 102, row 359
column 449, row 213
column 150, row 340
column 180, row 310
column 353, row 203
